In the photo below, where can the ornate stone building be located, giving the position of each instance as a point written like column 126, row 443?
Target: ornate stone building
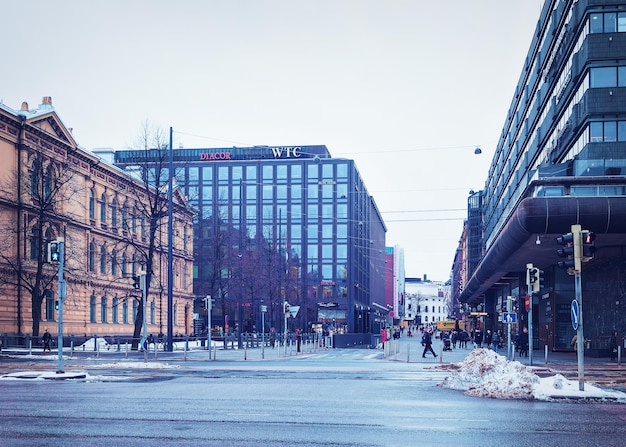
column 50, row 188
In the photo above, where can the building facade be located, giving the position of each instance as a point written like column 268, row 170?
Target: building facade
column 560, row 161
column 52, row 190
column 282, row 224
column 431, row 300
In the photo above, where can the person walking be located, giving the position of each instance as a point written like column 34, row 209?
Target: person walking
column 46, row 338
column 427, row 342
column 495, row 341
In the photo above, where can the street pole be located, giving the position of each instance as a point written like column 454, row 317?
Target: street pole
column 263, row 310
column 209, row 305
column 144, row 344
column 508, row 328
column 580, row 337
column 529, row 291
column 61, row 293
column 170, row 248
column 285, row 304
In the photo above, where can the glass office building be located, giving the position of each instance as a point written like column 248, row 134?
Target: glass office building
column 560, row 161
column 278, row 224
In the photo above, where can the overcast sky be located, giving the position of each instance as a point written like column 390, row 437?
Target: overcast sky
column 406, row 88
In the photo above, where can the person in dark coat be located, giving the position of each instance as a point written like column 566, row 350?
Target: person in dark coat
column 427, row 342
column 46, row 338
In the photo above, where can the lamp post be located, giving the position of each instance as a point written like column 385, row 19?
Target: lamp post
column 263, row 310
column 209, row 305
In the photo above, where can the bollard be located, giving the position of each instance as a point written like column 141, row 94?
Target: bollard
column 619, row 355
column 245, row 351
column 71, row 347
column 30, row 346
column 408, row 353
column 546, row 354
column 127, row 349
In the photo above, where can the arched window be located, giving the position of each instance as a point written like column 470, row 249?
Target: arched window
column 35, row 178
column 91, row 262
column 124, row 217
column 103, row 209
column 114, row 262
column 92, row 205
column 114, row 213
column 124, row 266
column 103, row 309
column 103, row 260
column 47, row 182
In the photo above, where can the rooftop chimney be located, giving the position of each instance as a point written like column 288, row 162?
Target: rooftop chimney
column 47, row 100
column 24, row 106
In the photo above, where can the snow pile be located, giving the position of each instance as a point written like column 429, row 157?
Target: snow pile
column 484, row 373
column 90, row 345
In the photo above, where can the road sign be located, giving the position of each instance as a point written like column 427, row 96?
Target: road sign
column 293, row 310
column 575, row 314
column 509, row 317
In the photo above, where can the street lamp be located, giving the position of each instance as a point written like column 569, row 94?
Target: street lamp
column 263, row 310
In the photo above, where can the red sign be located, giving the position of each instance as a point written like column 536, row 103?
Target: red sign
column 527, row 302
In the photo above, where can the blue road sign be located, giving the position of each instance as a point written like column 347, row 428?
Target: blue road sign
column 509, row 317
column 575, row 314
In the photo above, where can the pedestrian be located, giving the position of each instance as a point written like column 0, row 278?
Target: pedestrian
column 272, row 337
column 614, row 345
column 495, row 341
column 454, row 338
column 427, row 342
column 523, row 343
column 46, row 338
column 298, row 339
column 488, row 339
column 478, row 338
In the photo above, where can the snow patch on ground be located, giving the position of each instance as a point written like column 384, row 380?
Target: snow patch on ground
column 484, row 373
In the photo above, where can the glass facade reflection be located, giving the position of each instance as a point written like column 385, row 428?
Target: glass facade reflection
column 303, row 221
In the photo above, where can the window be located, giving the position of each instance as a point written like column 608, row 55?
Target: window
column 91, row 262
column 34, row 179
column 135, row 305
column 114, row 262
column 125, row 312
column 603, row 77
column 103, row 309
column 92, row 309
column 103, row 209
column 124, row 264
column 152, row 312
column 92, row 205
column 114, row 310
column 103, row 260
column 114, row 213
column 49, row 295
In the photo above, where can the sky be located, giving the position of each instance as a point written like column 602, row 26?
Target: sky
column 406, row 88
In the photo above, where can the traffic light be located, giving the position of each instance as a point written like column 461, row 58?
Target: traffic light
column 588, row 247
column 54, row 252
column 286, row 307
column 537, row 276
column 56, row 305
column 137, row 281
column 568, row 252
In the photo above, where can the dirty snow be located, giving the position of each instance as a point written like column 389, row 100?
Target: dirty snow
column 484, row 373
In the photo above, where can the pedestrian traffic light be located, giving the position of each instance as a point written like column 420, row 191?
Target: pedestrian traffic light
column 54, row 252
column 137, row 281
column 56, row 305
column 588, row 247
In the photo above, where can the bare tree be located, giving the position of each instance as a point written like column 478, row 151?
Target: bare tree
column 46, row 201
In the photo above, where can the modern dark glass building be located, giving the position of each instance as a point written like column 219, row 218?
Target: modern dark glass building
column 280, row 224
column 560, row 161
